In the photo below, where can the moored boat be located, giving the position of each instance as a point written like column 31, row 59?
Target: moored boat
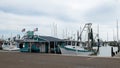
column 75, row 50
column 10, row 46
column 79, row 48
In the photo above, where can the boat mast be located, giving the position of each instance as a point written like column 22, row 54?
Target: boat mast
column 107, row 36
column 113, row 35
column 98, row 31
column 89, row 31
column 117, row 32
column 98, row 39
column 89, row 35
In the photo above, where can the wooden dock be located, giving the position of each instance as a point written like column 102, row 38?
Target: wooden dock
column 37, row 60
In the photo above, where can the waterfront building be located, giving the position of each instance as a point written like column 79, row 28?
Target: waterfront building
column 36, row 43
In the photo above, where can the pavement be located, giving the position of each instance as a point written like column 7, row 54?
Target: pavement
column 8, row 51
column 117, row 55
column 38, row 60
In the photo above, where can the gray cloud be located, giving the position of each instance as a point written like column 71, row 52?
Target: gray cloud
column 66, row 13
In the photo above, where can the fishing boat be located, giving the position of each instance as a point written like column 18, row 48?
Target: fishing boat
column 79, row 48
column 10, row 46
column 75, row 50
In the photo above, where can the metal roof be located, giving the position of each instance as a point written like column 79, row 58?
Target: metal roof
column 49, row 38
column 45, row 39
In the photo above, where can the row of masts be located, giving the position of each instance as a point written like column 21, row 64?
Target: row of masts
column 117, row 32
column 65, row 34
column 54, row 33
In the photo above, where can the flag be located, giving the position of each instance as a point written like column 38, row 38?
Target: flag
column 36, row 29
column 23, row 30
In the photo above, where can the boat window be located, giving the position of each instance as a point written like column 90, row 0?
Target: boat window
column 5, row 43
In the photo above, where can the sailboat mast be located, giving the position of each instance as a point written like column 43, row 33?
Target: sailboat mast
column 98, row 39
column 117, row 32
column 113, row 35
column 107, row 36
column 98, row 31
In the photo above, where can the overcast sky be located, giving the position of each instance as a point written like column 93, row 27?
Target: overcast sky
column 67, row 15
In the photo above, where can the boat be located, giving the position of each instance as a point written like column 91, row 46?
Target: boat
column 75, row 50
column 79, row 48
column 10, row 46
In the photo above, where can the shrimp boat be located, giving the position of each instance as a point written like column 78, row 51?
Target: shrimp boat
column 75, row 50
column 80, row 48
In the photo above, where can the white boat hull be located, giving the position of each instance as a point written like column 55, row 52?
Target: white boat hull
column 65, row 51
column 10, row 48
